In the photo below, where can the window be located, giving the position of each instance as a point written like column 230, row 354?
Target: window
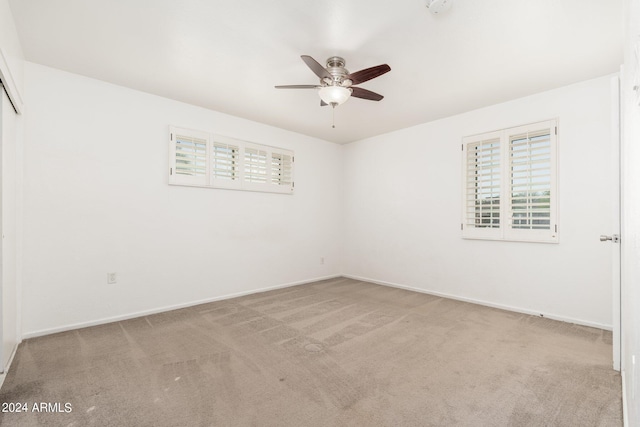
column 509, row 184
column 191, row 158
column 255, row 165
column 206, row 160
column 225, row 162
column 281, row 168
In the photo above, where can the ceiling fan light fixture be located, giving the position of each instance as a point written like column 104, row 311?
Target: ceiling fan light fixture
column 334, row 95
column 438, row 6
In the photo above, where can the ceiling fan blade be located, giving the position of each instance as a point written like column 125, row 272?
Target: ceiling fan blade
column 315, row 66
column 368, row 74
column 358, row 92
column 297, row 87
column 323, row 104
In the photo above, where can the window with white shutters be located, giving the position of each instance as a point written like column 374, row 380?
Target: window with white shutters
column 281, row 169
column 510, row 188
column 225, row 162
column 208, row 160
column 530, row 169
column 189, row 154
column 255, row 165
column 483, row 183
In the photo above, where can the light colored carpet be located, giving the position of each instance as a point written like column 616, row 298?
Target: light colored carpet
column 332, row 353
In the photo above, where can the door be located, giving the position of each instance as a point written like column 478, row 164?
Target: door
column 8, row 248
column 614, row 237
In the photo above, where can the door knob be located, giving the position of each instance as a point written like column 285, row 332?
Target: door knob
column 615, row 238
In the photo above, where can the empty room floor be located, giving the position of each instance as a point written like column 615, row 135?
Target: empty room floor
column 336, row 352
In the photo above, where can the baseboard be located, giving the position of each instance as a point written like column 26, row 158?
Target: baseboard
column 6, row 372
column 105, row 320
column 486, row 303
column 625, row 419
column 112, row 319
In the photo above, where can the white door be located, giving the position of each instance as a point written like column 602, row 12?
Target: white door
column 612, row 237
column 8, row 252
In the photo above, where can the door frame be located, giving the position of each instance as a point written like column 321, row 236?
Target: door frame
column 616, row 277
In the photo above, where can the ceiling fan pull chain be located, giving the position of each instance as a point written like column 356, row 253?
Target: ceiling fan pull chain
column 333, row 115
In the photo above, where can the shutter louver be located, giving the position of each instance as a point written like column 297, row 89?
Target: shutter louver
column 482, row 198
column 530, row 188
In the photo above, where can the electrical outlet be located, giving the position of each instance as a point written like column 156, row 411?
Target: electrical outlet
column 112, row 278
column 322, row 260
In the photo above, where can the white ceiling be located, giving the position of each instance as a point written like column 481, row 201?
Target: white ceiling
column 227, row 55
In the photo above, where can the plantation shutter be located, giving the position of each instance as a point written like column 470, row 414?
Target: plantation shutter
column 532, row 194
column 225, row 162
column 282, row 169
column 510, row 185
column 530, row 181
column 206, row 160
column 255, row 165
column 482, row 185
column 483, row 179
column 189, row 154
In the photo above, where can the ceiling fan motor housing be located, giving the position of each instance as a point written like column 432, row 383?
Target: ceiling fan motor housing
column 335, row 67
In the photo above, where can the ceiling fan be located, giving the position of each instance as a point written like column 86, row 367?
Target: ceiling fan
column 337, row 84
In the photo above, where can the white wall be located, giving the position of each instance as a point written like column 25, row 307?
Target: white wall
column 97, row 201
column 630, row 292
column 403, row 211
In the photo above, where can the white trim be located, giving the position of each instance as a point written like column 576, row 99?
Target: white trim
column 486, row 303
column 4, row 374
column 615, row 221
column 10, row 84
column 112, row 319
column 625, row 415
column 105, row 320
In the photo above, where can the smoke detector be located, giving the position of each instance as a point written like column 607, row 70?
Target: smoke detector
column 438, row 6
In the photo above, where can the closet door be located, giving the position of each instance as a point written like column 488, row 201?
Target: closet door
column 8, row 252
